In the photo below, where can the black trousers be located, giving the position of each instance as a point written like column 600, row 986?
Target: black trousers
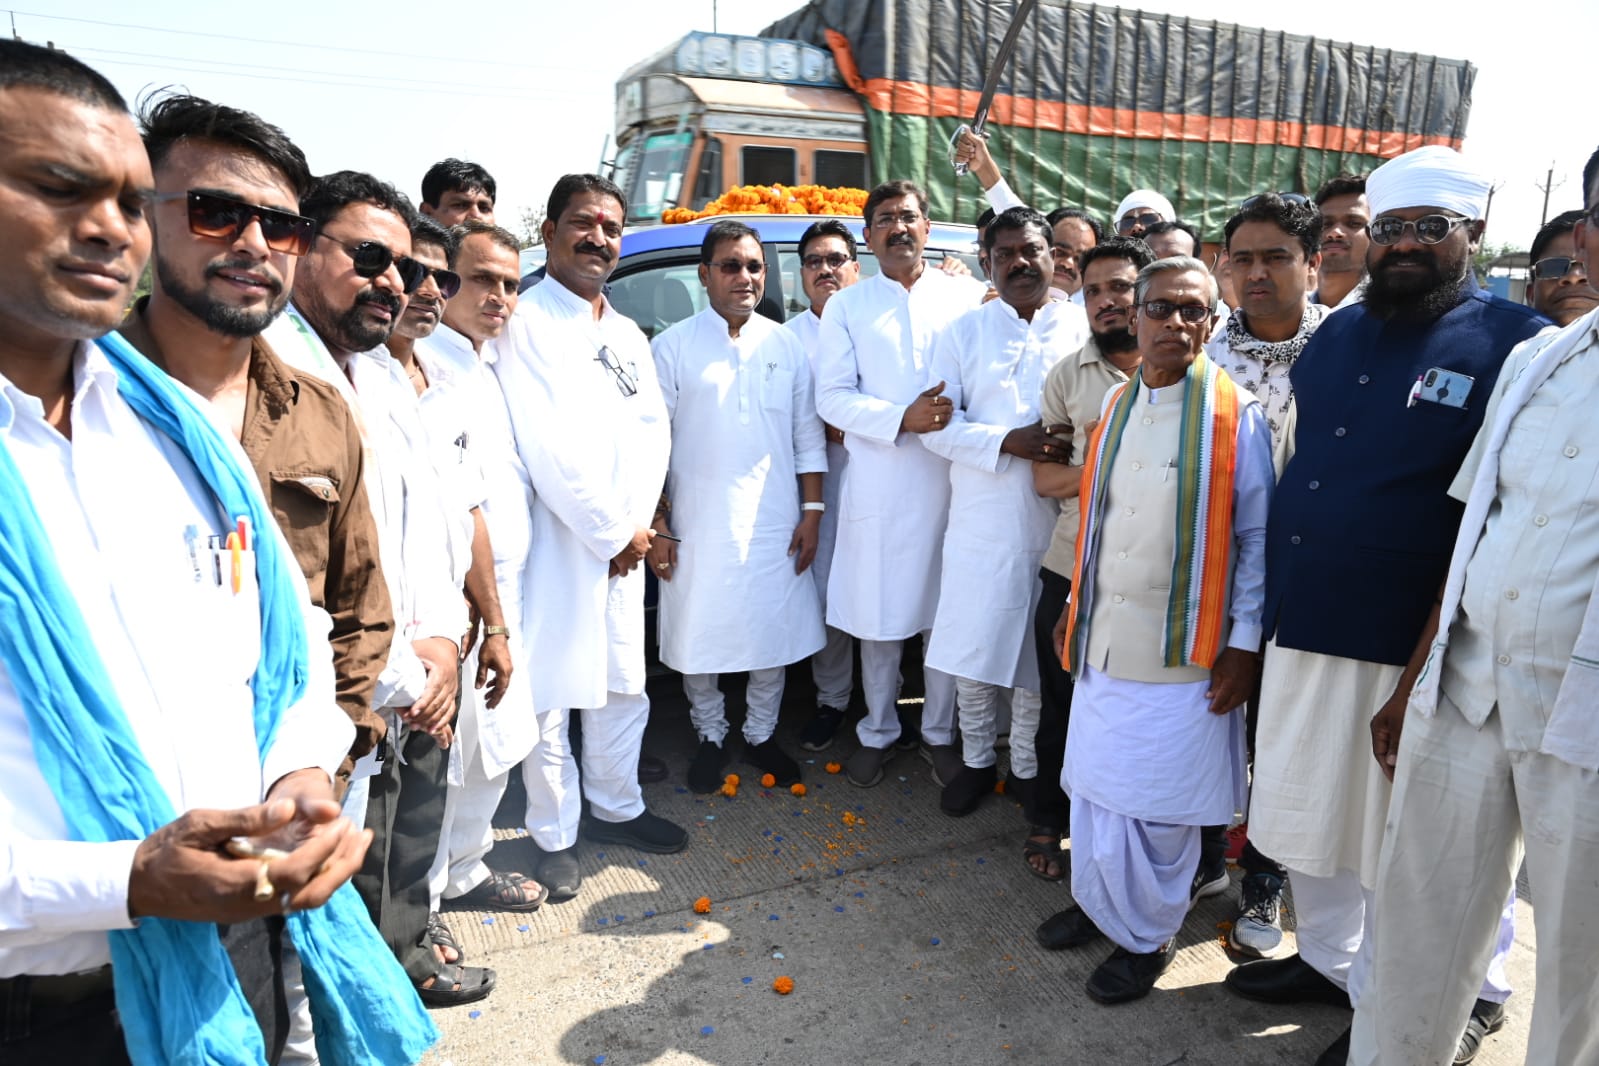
column 405, row 813
column 1048, row 805
column 43, row 1023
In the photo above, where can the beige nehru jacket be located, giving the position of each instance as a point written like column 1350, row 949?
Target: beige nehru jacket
column 1074, row 392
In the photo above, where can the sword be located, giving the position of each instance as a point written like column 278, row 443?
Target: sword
column 991, row 83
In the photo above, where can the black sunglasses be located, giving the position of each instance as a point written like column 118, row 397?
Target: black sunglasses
column 1160, row 310
column 371, row 259
column 222, row 218
column 1430, row 229
column 1557, row 266
column 448, row 281
column 1126, row 223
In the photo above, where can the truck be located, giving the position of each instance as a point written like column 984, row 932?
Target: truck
column 1095, row 102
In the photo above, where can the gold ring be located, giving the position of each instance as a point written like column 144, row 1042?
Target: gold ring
column 662, row 566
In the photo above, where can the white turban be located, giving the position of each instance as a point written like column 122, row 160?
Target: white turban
column 1147, row 198
column 1433, row 176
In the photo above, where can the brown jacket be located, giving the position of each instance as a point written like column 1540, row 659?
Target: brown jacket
column 302, row 441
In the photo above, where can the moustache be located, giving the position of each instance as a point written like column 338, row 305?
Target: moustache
column 1418, row 258
column 382, row 299
column 590, row 248
column 898, row 239
column 1024, row 272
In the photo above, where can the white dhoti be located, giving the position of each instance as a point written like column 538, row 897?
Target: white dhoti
column 1466, row 811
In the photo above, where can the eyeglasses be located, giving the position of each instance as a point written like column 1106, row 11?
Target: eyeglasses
column 732, row 267
column 1430, row 229
column 1161, row 310
column 624, row 381
column 1126, row 224
column 887, row 219
column 223, row 218
column 816, row 262
column 1557, row 266
column 448, row 281
column 1287, row 197
column 371, row 259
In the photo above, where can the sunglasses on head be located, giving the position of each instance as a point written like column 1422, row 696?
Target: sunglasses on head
column 1160, row 310
column 1430, row 229
column 1557, row 266
column 1146, row 220
column 371, row 259
column 1286, row 197
column 223, row 218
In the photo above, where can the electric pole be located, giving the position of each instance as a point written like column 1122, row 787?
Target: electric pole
column 1549, row 184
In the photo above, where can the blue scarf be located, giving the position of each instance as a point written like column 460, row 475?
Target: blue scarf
column 176, row 991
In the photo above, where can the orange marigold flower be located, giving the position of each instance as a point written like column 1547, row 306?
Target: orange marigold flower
column 798, row 790
column 728, row 789
column 999, row 787
column 834, row 768
column 731, row 779
column 849, row 817
column 783, row 985
column 767, row 780
column 702, row 905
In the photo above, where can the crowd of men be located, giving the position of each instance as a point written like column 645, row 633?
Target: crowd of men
column 1192, row 537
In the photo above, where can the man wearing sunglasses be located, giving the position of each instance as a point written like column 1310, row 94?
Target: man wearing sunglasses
column 592, row 431
column 828, row 265
column 1141, row 209
column 1496, row 757
column 1559, row 285
column 349, row 292
column 1162, row 634
column 1388, row 395
column 874, row 383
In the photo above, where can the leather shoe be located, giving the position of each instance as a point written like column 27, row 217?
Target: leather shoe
column 1127, row 976
column 651, row 770
column 962, row 795
column 1486, row 1017
column 865, row 768
column 648, row 832
column 1070, row 928
column 771, row 759
column 1337, row 1053
column 558, row 871
column 1286, row 980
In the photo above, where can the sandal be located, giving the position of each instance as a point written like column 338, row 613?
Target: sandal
column 452, row 986
column 444, row 941
column 1044, row 842
column 506, row 892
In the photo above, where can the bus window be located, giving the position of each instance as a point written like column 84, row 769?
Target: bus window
column 658, row 176
column 846, row 170
column 709, row 185
column 765, row 165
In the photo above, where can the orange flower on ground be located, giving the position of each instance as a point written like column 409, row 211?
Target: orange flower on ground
column 834, row 768
column 798, row 790
column 849, row 817
column 731, row 779
column 783, row 985
column 702, row 905
column 999, row 787
column 767, row 780
column 728, row 789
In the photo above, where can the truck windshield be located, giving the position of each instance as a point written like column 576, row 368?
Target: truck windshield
column 658, row 175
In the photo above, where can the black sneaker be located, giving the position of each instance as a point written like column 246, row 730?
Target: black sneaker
column 819, row 732
column 1207, row 883
column 771, row 759
column 705, row 772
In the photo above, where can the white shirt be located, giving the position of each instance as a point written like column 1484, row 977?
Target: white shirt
column 807, row 326
column 994, row 363
column 407, row 504
column 874, row 357
column 117, row 499
column 596, row 442
column 744, row 427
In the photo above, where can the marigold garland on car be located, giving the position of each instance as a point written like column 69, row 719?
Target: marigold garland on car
column 776, row 200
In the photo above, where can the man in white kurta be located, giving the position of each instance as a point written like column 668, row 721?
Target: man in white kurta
column 1499, row 751
column 993, row 361
column 735, row 594
column 828, row 264
column 1163, row 635
column 592, row 430
column 874, row 383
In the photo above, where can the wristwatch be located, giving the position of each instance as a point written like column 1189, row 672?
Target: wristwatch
column 496, row 631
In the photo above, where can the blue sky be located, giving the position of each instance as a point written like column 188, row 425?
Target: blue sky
column 528, row 89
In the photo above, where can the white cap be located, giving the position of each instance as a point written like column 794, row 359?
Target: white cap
column 1433, row 176
column 1147, row 198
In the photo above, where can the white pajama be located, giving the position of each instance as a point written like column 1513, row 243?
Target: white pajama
column 833, row 670
column 763, row 698
column 612, row 736
column 549, row 777
column 880, row 680
column 1132, row 877
column 467, row 834
column 1026, row 712
column 980, row 708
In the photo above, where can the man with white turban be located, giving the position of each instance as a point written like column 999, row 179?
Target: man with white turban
column 1501, row 743
column 1141, row 209
column 1389, row 395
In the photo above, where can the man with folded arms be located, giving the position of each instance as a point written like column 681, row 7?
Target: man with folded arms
column 141, row 913
column 1162, row 634
column 1388, row 395
column 745, row 494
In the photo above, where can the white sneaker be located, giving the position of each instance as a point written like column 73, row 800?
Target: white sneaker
column 1258, row 926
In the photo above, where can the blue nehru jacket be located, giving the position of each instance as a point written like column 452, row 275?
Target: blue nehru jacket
column 1362, row 525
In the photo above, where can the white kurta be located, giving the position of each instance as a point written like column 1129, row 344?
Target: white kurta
column 744, row 426
column 807, row 326
column 993, row 363
column 499, row 736
column 597, row 457
column 874, row 357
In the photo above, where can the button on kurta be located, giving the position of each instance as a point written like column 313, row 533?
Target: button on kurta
column 1314, row 485
column 1294, row 539
column 1541, row 520
column 1364, row 379
column 1570, row 451
column 1340, row 431
column 1504, row 660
